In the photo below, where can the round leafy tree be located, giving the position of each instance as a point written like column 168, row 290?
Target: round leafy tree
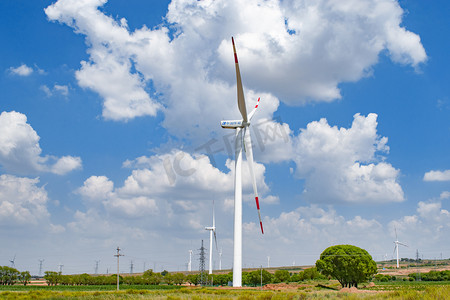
column 348, row 264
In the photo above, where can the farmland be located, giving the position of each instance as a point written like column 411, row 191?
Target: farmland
column 321, row 289
column 389, row 283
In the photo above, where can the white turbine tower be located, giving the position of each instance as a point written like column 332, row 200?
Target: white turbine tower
column 190, row 261
column 220, row 259
column 242, row 138
column 212, row 230
column 396, row 242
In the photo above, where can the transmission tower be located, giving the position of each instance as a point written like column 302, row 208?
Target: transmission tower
column 40, row 267
column 118, row 255
column 131, row 267
column 202, row 266
column 60, row 268
column 417, row 262
column 96, row 266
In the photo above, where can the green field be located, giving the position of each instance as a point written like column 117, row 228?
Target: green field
column 312, row 290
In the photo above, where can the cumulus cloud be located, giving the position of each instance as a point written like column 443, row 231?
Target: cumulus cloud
column 430, row 225
column 172, row 191
column 20, row 151
column 437, row 176
column 65, row 165
column 22, row 70
column 310, row 229
column 296, row 52
column 343, row 165
column 22, row 201
column 445, row 195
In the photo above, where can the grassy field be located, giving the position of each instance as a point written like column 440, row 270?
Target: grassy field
column 312, row 290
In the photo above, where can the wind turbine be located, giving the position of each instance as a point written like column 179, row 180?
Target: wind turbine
column 13, row 262
column 212, row 230
column 190, row 261
column 396, row 242
column 242, row 139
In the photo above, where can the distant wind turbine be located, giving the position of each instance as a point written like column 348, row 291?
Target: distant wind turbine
column 13, row 262
column 190, row 261
column 396, row 242
column 212, row 230
column 243, row 139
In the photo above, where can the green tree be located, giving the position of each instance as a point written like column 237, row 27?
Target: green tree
column 281, row 276
column 52, row 277
column 24, row 277
column 178, row 278
column 348, row 264
column 8, row 275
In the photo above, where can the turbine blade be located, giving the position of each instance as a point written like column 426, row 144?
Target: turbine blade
column 402, row 244
column 250, row 116
column 240, row 90
column 215, row 239
column 214, row 218
column 249, row 154
column 395, row 248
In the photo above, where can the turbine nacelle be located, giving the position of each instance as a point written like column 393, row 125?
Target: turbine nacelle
column 233, row 124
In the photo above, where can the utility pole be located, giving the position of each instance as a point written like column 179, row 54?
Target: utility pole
column 202, row 265
column 131, row 267
column 40, row 267
column 261, row 277
column 96, row 266
column 118, row 255
column 268, row 261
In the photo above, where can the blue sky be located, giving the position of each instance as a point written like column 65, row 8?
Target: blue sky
column 107, row 108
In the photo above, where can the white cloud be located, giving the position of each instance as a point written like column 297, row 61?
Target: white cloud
column 298, row 52
column 96, row 188
column 57, row 89
column 65, row 165
column 20, row 151
column 445, row 195
column 425, row 230
column 310, row 229
column 341, row 165
column 22, row 201
column 62, row 89
column 46, row 90
column 173, row 191
column 22, row 70
column 437, row 176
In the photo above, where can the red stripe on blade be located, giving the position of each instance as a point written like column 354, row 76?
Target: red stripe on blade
column 262, row 230
column 235, row 58
column 257, row 203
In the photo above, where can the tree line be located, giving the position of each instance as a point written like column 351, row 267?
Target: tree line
column 11, row 276
column 348, row 264
column 151, row 278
